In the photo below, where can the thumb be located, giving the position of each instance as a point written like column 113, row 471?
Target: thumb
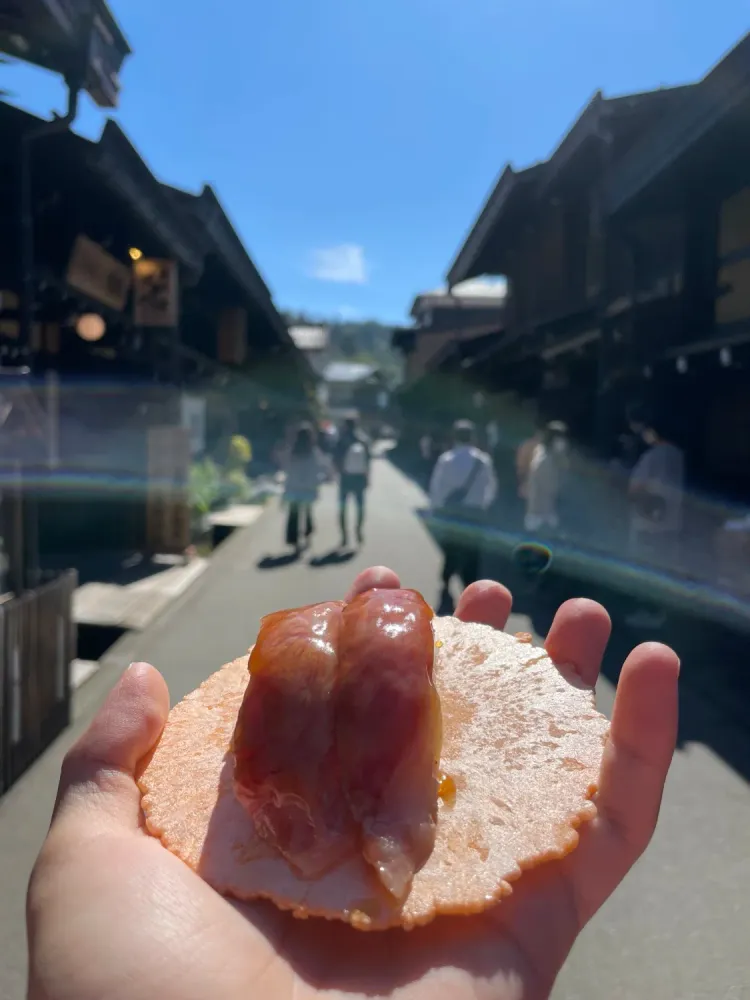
column 98, row 772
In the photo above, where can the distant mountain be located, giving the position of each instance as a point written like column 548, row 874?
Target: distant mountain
column 367, row 341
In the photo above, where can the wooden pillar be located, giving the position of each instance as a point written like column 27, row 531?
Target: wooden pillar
column 618, row 253
column 13, row 530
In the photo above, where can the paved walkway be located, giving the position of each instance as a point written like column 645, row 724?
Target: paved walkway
column 677, row 929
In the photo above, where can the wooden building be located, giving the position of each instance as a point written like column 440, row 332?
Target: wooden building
column 449, row 328
column 677, row 325
column 627, row 257
column 626, row 264
column 123, row 350
column 545, row 230
column 79, row 39
column 354, row 387
column 441, row 320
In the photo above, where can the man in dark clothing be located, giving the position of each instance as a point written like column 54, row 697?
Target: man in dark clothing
column 352, row 460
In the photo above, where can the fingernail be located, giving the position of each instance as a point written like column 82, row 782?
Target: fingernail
column 136, row 665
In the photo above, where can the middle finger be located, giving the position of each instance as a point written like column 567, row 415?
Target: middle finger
column 578, row 636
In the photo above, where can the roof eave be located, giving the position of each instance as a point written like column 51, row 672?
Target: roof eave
column 460, row 268
column 119, row 163
column 587, row 125
column 721, row 89
column 236, row 257
column 510, row 181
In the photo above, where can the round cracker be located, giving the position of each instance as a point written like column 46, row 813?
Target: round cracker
column 522, row 741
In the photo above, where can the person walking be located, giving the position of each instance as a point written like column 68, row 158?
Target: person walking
column 547, row 467
column 352, row 460
column 304, row 465
column 462, row 487
column 655, row 490
column 524, row 454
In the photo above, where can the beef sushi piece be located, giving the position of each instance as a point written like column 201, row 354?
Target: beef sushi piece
column 388, row 730
column 285, row 773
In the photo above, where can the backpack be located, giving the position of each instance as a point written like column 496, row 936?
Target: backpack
column 355, row 460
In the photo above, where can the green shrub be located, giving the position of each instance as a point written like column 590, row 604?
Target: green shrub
column 237, row 486
column 204, row 485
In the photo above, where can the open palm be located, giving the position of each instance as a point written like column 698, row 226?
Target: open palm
column 112, row 914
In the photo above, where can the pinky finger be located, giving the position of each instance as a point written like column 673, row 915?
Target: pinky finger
column 642, row 741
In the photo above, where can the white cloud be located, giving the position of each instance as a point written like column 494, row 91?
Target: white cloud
column 344, row 263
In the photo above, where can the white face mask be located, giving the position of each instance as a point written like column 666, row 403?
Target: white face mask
column 560, row 446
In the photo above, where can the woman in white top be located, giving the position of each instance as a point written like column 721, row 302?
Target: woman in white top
column 549, row 461
column 305, row 468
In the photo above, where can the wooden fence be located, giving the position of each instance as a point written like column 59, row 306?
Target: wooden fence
column 37, row 645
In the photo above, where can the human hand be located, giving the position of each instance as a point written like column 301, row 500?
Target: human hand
column 113, row 914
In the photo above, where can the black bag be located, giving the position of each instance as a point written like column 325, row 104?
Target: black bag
column 453, row 506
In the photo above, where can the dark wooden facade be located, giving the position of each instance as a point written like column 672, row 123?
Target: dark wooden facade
column 229, row 345
column 79, row 39
column 627, row 256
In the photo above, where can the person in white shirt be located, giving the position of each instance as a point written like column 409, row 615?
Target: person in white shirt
column 462, row 486
column 547, row 466
column 352, row 460
column 305, row 467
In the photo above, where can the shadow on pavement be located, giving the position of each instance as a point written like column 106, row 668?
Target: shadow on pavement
column 276, row 562
column 333, row 558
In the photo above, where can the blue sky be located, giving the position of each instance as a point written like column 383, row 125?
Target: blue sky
column 353, row 141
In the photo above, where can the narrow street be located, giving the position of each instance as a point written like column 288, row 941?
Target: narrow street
column 677, row 929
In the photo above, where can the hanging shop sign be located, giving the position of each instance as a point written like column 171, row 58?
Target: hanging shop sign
column 155, row 292
column 232, row 336
column 98, row 274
